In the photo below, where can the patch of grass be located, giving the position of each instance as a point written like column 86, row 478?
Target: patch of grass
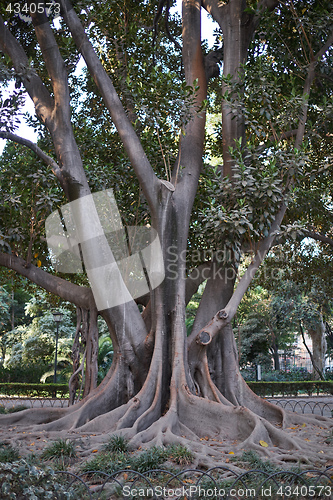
column 108, row 462
column 32, row 459
column 179, row 454
column 255, row 461
column 116, row 444
column 142, row 461
column 2, row 410
column 59, row 449
column 8, row 453
column 149, row 459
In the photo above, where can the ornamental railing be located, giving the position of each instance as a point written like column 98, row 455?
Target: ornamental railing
column 325, row 409
column 22, row 480
column 215, row 483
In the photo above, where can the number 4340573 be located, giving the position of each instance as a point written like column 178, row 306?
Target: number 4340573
column 25, row 8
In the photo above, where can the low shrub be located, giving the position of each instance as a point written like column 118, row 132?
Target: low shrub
column 30, row 373
column 21, row 480
column 295, row 374
column 271, row 389
column 34, row 390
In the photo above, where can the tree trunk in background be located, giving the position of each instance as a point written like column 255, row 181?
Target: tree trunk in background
column 319, row 347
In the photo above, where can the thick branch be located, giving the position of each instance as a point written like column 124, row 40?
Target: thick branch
column 263, row 6
column 34, row 85
column 145, row 174
column 318, row 237
column 192, row 143
column 31, row 145
column 224, row 316
column 55, row 64
column 78, row 295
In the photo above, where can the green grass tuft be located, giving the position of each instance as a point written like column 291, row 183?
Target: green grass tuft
column 149, row 459
column 255, row 462
column 142, row 461
column 8, row 453
column 179, row 454
column 59, row 449
column 116, row 444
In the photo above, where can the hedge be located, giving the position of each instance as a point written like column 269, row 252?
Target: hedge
column 34, row 390
column 264, row 389
column 271, row 389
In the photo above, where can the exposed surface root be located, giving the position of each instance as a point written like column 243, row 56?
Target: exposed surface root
column 294, row 445
column 210, row 429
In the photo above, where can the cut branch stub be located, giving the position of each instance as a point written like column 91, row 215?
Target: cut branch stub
column 223, row 314
column 204, row 338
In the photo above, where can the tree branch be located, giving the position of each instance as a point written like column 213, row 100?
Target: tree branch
column 306, row 90
column 144, row 172
column 55, row 65
column 35, row 87
column 318, row 237
column 31, row 145
column 221, row 318
column 224, row 316
column 192, row 142
column 272, row 139
column 55, row 117
column 262, row 7
column 78, row 295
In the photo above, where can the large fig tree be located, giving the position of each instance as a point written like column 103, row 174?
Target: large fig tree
column 164, row 385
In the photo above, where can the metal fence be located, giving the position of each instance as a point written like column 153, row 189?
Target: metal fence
column 216, row 483
column 325, row 409
column 322, row 408
column 8, row 401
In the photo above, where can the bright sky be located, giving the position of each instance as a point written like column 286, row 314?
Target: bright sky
column 26, row 132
